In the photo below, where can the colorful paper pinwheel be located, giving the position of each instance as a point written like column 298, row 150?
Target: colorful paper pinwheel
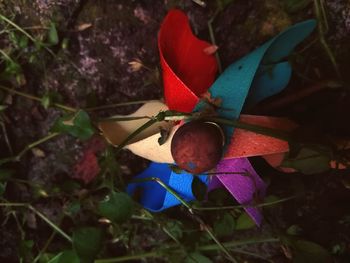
column 189, row 72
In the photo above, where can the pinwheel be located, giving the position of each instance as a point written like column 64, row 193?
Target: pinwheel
column 189, row 86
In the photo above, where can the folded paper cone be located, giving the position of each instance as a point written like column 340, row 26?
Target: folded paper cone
column 150, row 149
column 117, row 131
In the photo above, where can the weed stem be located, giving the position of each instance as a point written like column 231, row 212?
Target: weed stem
column 42, row 216
column 31, row 97
column 115, row 105
column 17, row 157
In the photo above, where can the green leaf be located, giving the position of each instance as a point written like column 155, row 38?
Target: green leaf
column 109, row 162
column 53, row 35
column 3, row 107
column 50, row 98
column 87, row 242
column 199, row 189
column 73, row 208
column 78, row 125
column 22, row 41
column 69, row 186
column 271, row 199
column 12, row 68
column 294, row 230
column 46, row 100
column 65, row 43
column 339, row 249
column 220, row 196
column 244, row 222
column 196, row 257
column 2, row 188
column 117, row 207
column 25, row 250
column 174, row 255
column 225, row 225
column 309, row 160
column 68, row 256
column 5, row 174
column 46, row 257
column 175, row 228
column 306, row 251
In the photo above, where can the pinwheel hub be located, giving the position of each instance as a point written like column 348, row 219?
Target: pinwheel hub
column 197, row 146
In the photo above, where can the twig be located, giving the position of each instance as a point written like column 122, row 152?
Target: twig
column 210, row 247
column 166, row 231
column 223, row 173
column 115, row 105
column 152, row 254
column 7, row 141
column 245, row 206
column 13, row 213
column 219, row 244
column 240, row 243
column 50, row 223
column 17, row 157
column 290, row 98
column 31, row 97
column 252, row 254
column 212, row 37
column 122, row 118
column 36, row 143
column 6, row 56
column 166, row 187
column 42, row 251
column 188, row 206
column 39, row 214
column 174, row 115
column 26, row 34
column 322, row 29
column 253, row 128
column 135, row 133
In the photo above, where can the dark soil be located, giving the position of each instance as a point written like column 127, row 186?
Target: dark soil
column 93, row 70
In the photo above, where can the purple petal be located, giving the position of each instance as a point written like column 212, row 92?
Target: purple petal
column 244, row 188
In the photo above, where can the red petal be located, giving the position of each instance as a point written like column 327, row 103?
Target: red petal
column 187, row 70
column 245, row 143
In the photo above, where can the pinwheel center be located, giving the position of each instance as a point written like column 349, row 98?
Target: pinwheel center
column 197, row 146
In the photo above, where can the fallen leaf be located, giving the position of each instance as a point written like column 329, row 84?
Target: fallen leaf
column 210, row 50
column 38, row 153
column 216, row 102
column 87, row 168
column 135, row 65
column 83, row 27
